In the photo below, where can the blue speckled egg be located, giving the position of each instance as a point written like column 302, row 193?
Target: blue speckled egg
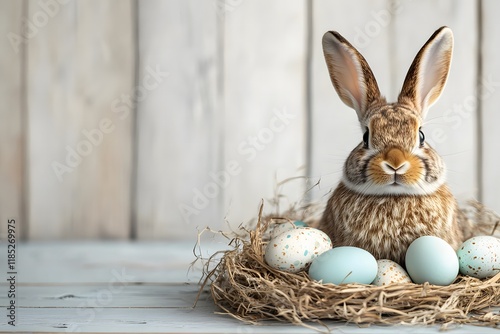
column 431, row 259
column 294, row 250
column 480, row 257
column 344, row 265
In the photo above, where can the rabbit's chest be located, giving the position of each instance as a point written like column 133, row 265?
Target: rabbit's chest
column 383, row 229
column 384, row 219
column 385, row 226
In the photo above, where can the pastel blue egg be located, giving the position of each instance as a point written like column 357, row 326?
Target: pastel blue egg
column 480, row 256
column 431, row 259
column 343, row 265
column 299, row 223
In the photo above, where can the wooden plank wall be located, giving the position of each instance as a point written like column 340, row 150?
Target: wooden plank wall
column 179, row 139
column 488, row 96
column 12, row 116
column 79, row 146
column 152, row 119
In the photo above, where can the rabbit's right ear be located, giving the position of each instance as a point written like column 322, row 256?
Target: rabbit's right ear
column 350, row 73
column 428, row 73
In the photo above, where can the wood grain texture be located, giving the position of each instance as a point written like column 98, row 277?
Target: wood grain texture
column 450, row 126
column 489, row 93
column 199, row 320
column 179, row 121
column 12, row 135
column 124, row 295
column 264, row 103
column 335, row 128
column 93, row 262
column 222, row 96
column 80, row 66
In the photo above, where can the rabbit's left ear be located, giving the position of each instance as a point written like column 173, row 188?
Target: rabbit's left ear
column 351, row 75
column 428, row 73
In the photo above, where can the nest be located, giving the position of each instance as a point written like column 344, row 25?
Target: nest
column 245, row 287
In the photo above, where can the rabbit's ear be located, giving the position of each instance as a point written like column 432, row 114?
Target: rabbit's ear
column 428, row 73
column 350, row 73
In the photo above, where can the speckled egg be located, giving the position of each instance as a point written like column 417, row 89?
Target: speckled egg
column 480, row 257
column 389, row 272
column 294, row 250
column 344, row 265
column 283, row 227
column 431, row 259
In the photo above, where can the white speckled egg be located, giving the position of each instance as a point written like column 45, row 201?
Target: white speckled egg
column 344, row 265
column 480, row 256
column 283, row 227
column 294, row 250
column 431, row 259
column 389, row 272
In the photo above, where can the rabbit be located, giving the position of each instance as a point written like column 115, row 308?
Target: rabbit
column 393, row 187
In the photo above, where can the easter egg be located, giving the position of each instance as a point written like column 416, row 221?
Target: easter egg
column 431, row 259
column 480, row 257
column 283, row 227
column 342, row 265
column 389, row 272
column 294, row 250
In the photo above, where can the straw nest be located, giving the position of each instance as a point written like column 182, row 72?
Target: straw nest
column 245, row 287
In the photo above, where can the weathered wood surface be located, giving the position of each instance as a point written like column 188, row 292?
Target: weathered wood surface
column 12, row 115
column 79, row 143
column 488, row 96
column 72, row 287
column 210, row 104
column 264, row 109
column 179, row 138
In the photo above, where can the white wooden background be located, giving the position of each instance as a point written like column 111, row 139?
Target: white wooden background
column 224, row 73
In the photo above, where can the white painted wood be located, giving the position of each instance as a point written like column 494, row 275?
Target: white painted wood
column 335, row 128
column 80, row 63
column 198, row 320
column 11, row 130
column 264, row 103
column 178, row 123
column 231, row 66
column 450, row 131
column 109, row 295
column 490, row 102
column 95, row 262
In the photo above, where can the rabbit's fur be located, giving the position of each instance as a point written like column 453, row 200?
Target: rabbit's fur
column 393, row 187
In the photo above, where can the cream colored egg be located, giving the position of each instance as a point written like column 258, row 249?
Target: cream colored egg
column 389, row 272
column 287, row 226
column 294, row 250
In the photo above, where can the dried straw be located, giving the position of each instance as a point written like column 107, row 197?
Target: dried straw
column 245, row 287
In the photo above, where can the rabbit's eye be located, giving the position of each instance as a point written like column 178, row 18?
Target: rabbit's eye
column 421, row 136
column 366, row 137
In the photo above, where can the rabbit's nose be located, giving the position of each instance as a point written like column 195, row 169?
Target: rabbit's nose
column 395, row 162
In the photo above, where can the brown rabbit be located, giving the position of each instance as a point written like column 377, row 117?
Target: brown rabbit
column 393, row 186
